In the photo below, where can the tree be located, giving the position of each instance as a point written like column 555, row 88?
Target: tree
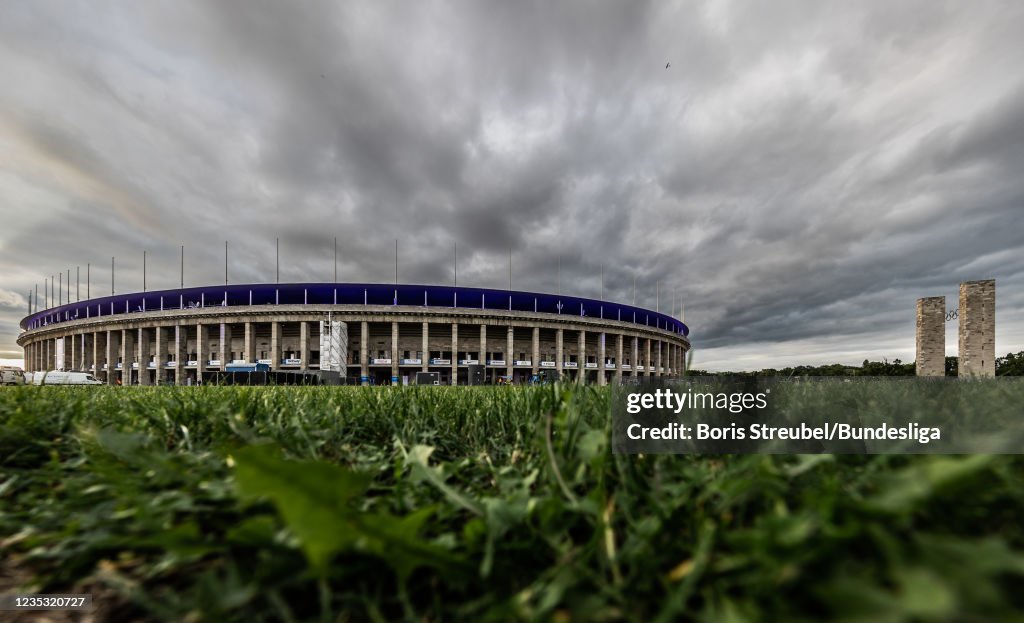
column 1010, row 365
column 952, row 366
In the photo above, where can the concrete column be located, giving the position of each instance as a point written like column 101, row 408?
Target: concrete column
column 535, row 354
column 559, row 352
column 201, row 351
column 108, row 349
column 618, row 358
column 657, row 358
column 224, row 346
column 304, row 345
column 600, row 359
column 275, row 345
column 394, row 353
column 364, row 361
column 647, row 358
column 581, row 357
column 128, row 354
column 180, row 346
column 86, row 351
column 142, row 352
column 483, row 348
column 159, row 354
column 931, row 336
column 74, row 353
column 425, row 341
column 455, row 353
column 977, row 329
column 249, row 346
column 636, row 356
column 510, row 358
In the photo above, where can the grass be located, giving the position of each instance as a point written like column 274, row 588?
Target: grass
column 325, row 504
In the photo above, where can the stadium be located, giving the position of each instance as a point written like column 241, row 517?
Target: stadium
column 353, row 333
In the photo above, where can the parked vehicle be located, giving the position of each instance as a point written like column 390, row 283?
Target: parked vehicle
column 9, row 375
column 59, row 377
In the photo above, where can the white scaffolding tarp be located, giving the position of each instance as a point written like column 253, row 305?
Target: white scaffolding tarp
column 334, row 346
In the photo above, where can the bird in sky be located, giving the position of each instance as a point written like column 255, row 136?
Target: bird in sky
column 667, row 65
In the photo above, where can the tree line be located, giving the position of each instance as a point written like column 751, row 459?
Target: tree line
column 1012, row 364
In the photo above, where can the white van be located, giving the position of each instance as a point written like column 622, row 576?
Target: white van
column 57, row 377
column 10, row 375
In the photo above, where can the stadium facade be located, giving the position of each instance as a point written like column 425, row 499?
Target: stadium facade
column 369, row 333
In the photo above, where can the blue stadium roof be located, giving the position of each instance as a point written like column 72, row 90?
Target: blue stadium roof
column 376, row 294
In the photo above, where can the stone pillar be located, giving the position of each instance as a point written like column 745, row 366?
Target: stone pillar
column 94, row 346
column 581, row 357
column 201, row 351
column 275, row 345
column 977, row 328
column 601, row 355
column 559, row 352
column 249, row 347
column 108, row 349
column 510, row 358
column 142, row 351
column 224, row 353
column 425, row 340
column 127, row 356
column 364, row 357
column 535, row 354
column 304, row 345
column 74, row 353
column 931, row 336
column 482, row 355
column 657, row 362
column 180, row 346
column 635, row 368
column 455, row 353
column 394, row 353
column 618, row 358
column 86, row 352
column 158, row 355
column 647, row 357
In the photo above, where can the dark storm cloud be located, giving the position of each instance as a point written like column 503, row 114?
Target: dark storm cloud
column 797, row 178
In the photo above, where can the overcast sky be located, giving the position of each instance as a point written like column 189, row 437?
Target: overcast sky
column 798, row 177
